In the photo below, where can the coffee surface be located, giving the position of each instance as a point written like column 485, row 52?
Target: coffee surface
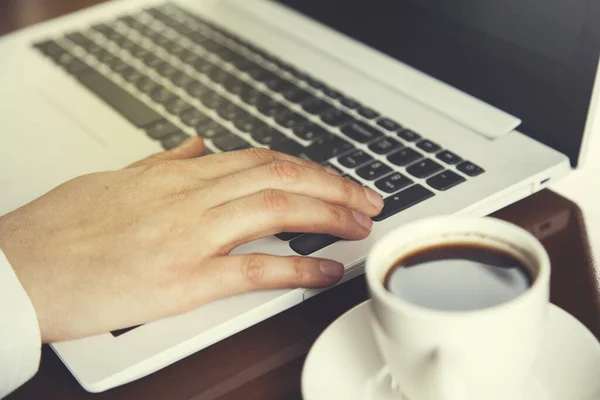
column 458, row 277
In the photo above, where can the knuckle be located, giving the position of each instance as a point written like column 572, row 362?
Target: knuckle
column 254, row 269
column 275, row 202
column 337, row 215
column 260, row 155
column 286, row 171
column 348, row 190
column 300, row 272
column 162, row 166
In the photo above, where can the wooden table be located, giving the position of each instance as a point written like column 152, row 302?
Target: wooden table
column 265, row 362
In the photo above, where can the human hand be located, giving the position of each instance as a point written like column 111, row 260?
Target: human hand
column 116, row 249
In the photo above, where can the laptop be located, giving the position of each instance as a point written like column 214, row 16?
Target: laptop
column 443, row 107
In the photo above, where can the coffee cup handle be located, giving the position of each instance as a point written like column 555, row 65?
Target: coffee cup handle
column 444, row 384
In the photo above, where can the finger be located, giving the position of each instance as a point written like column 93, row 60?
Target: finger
column 190, row 148
column 273, row 211
column 294, row 178
column 222, row 164
column 243, row 273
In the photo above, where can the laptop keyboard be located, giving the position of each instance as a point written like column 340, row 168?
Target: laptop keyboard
column 174, row 74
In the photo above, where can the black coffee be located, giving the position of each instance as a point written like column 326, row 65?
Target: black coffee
column 458, row 277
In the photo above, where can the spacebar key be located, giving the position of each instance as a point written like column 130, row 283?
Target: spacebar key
column 403, row 200
column 122, row 101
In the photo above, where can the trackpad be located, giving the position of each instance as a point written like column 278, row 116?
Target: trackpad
column 43, row 147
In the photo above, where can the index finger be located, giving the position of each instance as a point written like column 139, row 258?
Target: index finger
column 223, row 164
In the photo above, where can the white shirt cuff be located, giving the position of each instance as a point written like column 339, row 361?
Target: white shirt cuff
column 20, row 339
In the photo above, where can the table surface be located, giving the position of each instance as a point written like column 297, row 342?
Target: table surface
column 265, row 361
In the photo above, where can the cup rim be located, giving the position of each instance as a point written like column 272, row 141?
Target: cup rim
column 540, row 281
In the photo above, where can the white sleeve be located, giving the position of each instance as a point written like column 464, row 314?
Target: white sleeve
column 20, row 339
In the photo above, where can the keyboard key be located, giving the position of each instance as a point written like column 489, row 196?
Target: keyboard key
column 355, row 159
column 312, row 242
column 470, row 169
column 138, row 52
column 49, row 48
column 105, row 57
column 290, row 119
column 384, row 145
column 333, row 167
column 315, row 106
column 247, row 123
column 404, row 157
column 349, row 103
column 424, row 168
column 353, row 179
column 167, row 70
column 189, row 57
column 177, row 106
column 331, row 93
column 181, row 79
column 403, row 200
column 393, row 183
column 367, row 112
column 314, row 83
column 288, row 146
column 210, row 129
column 161, row 129
column 72, row 64
column 196, row 89
column 445, row 180
column 278, row 84
column 211, row 100
column 308, row 131
column 79, row 39
column 133, row 76
column 121, row 101
column 230, row 111
column 162, row 95
column 327, row 146
column 117, row 65
column 374, row 170
column 361, row 132
column 428, row 146
column 260, row 74
column 234, row 85
column 335, row 117
column 295, row 95
column 193, row 117
column 230, row 142
column 388, row 124
column 267, row 135
column 173, row 140
column 409, row 135
column 146, row 85
column 204, row 66
column 218, row 75
column 287, row 236
column 253, row 97
column 448, row 157
column 152, row 61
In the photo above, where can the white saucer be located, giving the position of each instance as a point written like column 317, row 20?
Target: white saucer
column 344, row 362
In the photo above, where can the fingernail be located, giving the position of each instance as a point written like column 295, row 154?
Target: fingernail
column 374, row 198
column 332, row 171
column 332, row 269
column 363, row 219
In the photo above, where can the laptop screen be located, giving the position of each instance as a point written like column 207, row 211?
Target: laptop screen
column 535, row 59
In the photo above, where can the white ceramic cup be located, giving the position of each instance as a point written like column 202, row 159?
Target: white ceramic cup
column 487, row 353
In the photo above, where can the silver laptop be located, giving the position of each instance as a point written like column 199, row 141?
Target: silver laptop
column 444, row 107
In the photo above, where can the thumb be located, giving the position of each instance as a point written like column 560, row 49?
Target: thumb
column 189, row 148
